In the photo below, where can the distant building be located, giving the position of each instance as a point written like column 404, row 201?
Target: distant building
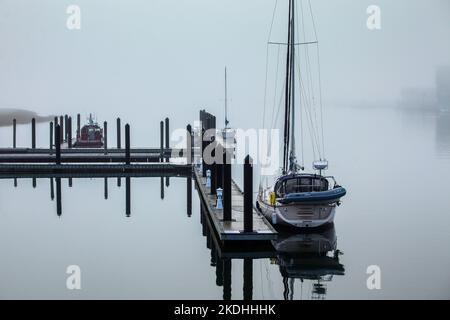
column 443, row 87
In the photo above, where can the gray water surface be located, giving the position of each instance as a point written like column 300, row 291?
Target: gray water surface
column 395, row 166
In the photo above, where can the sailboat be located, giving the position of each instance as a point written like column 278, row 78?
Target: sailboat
column 298, row 199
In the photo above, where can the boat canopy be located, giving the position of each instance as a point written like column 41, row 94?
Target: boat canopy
column 298, row 183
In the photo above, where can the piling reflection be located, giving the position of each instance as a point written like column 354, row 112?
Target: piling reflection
column 57, row 179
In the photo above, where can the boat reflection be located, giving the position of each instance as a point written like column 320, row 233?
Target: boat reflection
column 311, row 257
column 308, row 256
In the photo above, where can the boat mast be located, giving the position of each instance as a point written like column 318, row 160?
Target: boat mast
column 287, row 93
column 292, row 155
column 226, row 100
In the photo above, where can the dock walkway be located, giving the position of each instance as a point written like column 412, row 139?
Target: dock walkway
column 233, row 230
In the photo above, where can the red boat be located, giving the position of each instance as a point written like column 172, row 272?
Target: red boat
column 90, row 135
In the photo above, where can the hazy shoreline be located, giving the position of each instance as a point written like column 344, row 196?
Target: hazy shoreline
column 22, row 116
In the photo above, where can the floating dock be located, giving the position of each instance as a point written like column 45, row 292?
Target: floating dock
column 233, row 230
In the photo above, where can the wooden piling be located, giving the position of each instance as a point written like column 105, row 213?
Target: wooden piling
column 14, row 132
column 213, row 169
column 69, row 132
column 66, row 127
column 61, row 131
column 51, row 136
column 189, row 144
column 33, row 133
column 119, row 144
column 226, row 187
column 78, row 125
column 161, row 128
column 127, row 144
column 248, row 194
column 119, row 138
column 58, row 144
column 167, row 136
column 105, row 136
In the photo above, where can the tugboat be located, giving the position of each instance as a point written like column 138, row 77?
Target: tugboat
column 90, row 135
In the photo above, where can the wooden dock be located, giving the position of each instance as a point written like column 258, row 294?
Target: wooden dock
column 233, row 230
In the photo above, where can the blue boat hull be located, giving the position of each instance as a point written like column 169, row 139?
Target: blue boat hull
column 328, row 196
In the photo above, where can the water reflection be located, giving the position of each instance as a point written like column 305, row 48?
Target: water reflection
column 443, row 134
column 308, row 256
column 58, row 179
column 311, row 256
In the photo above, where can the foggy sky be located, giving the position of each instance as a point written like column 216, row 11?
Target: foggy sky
column 147, row 59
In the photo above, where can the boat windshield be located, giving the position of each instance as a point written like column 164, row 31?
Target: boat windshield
column 300, row 184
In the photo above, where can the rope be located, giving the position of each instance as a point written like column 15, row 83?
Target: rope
column 320, row 78
column 267, row 61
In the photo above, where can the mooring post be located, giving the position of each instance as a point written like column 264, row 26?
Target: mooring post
column 78, row 125
column 203, row 144
column 14, row 132
column 127, row 144
column 119, row 145
column 61, row 131
column 69, row 132
column 55, row 121
column 248, row 194
column 167, row 146
column 161, row 137
column 119, row 138
column 213, row 168
column 167, row 137
column 188, row 144
column 34, row 182
column 226, row 187
column 248, row 279
column 33, row 133
column 51, row 136
column 219, row 169
column 66, row 126
column 58, row 143
column 105, row 136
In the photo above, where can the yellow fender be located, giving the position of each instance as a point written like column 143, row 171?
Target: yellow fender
column 272, row 198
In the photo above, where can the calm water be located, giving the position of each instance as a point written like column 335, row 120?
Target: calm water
column 395, row 165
